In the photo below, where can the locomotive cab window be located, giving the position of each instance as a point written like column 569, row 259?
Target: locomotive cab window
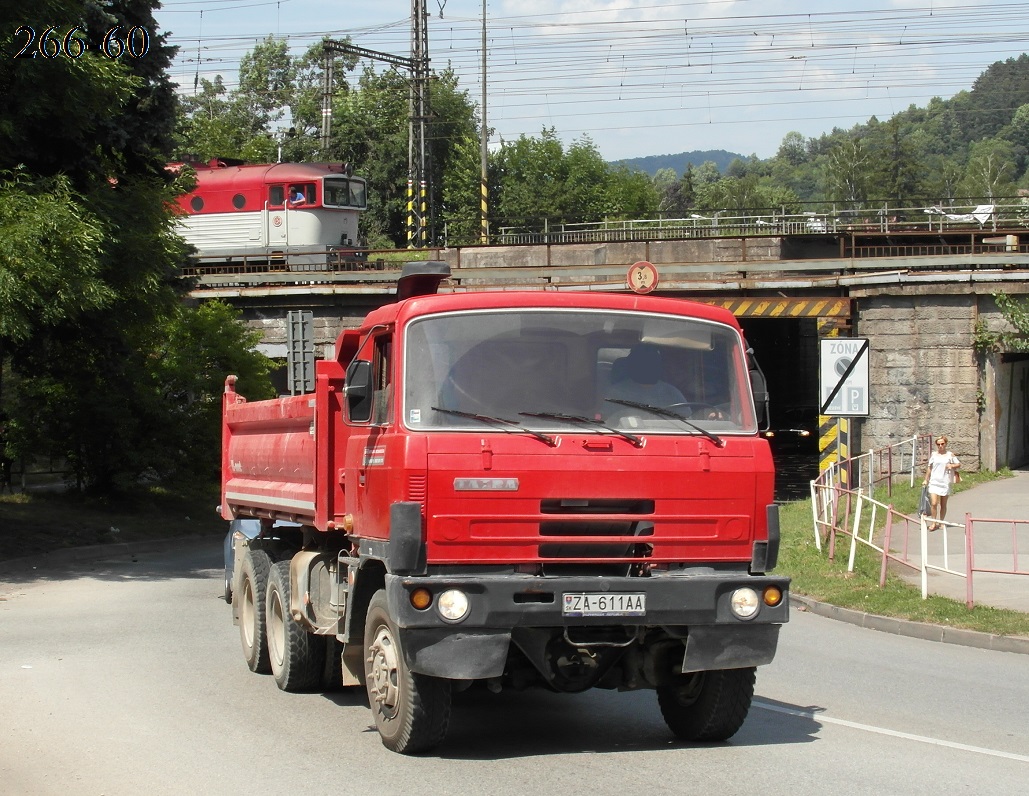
column 357, row 194
column 343, row 192
column 276, row 195
column 301, row 193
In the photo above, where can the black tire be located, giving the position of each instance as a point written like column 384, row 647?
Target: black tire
column 296, row 657
column 411, row 711
column 708, row 706
column 252, row 631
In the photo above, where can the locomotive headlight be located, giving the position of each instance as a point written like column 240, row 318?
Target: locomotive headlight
column 745, row 603
column 453, row 605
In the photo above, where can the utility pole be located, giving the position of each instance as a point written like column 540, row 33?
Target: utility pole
column 418, row 154
column 483, row 147
column 419, row 211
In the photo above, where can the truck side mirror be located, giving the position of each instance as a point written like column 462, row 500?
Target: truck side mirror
column 358, row 391
column 759, row 387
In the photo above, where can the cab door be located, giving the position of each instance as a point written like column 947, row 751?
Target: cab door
column 370, row 415
column 276, row 213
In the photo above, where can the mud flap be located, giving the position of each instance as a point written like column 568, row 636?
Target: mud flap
column 456, row 654
column 711, row 647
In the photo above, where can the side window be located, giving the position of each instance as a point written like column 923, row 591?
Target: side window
column 382, row 393
column 357, row 194
column 301, row 193
column 276, row 196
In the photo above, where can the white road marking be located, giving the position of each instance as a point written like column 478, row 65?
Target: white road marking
column 821, row 717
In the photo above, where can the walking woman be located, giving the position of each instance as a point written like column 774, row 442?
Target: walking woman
column 940, row 474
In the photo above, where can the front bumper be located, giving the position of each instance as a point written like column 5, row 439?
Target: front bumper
column 694, row 607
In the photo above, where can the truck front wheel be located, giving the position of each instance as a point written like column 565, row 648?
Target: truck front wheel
column 708, row 706
column 411, row 710
column 253, row 584
column 297, row 657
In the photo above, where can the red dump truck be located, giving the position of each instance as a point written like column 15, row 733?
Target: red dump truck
column 508, row 489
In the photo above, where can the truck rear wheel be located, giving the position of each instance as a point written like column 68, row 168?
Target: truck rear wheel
column 252, row 631
column 708, row 706
column 297, row 658
column 411, row 710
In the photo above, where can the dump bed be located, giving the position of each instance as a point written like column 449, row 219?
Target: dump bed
column 268, row 457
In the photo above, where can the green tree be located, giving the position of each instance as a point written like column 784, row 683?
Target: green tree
column 588, row 193
column 207, row 127
column 847, row 172
column 51, row 250
column 89, row 290
column 460, row 212
column 902, row 182
column 631, row 194
column 528, row 181
column 681, row 197
column 793, row 149
column 189, row 359
column 370, row 130
column 990, row 170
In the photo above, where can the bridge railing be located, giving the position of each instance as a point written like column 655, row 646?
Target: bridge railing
column 843, row 505
column 1007, row 213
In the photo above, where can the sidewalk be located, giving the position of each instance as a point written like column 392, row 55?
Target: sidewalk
column 1004, row 499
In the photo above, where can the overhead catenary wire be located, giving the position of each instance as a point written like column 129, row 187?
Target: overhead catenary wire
column 605, row 70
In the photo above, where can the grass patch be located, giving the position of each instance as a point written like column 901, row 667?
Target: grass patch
column 815, row 576
column 42, row 521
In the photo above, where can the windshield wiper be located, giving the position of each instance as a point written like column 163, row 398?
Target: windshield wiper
column 637, row 441
column 549, row 440
column 660, row 410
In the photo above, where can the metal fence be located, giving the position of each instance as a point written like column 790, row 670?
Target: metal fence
column 880, row 217
column 843, row 505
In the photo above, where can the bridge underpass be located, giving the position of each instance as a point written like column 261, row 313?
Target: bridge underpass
column 922, row 314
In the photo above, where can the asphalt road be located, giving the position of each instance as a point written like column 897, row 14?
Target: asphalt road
column 126, row 677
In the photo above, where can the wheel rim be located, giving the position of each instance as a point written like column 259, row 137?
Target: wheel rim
column 383, row 674
column 248, row 612
column 276, row 627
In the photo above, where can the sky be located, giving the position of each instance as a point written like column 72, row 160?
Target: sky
column 644, row 77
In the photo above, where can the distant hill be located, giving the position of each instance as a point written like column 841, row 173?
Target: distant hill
column 652, row 163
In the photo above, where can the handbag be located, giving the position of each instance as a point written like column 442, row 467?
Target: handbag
column 957, row 476
column 924, row 504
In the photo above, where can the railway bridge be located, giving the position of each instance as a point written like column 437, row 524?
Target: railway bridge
column 923, row 299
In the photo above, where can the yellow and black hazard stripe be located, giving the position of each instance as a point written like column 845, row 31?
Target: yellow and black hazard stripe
column 833, row 432
column 834, row 307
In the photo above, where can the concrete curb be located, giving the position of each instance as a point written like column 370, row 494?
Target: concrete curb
column 902, row 627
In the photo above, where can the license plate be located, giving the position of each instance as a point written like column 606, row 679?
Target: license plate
column 591, row 604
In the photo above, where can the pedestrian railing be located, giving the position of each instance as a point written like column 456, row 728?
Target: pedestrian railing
column 842, row 504
column 1019, row 530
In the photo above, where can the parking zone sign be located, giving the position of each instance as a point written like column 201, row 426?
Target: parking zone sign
column 843, row 377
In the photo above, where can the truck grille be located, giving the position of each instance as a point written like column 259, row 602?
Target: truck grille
column 586, row 529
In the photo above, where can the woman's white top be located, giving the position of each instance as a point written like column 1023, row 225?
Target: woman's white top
column 940, row 478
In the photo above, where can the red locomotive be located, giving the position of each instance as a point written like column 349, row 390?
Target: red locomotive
column 274, row 213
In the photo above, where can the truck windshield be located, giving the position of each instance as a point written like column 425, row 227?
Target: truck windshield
column 552, row 369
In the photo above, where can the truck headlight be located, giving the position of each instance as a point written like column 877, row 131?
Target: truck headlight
column 745, row 603
column 453, row 605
